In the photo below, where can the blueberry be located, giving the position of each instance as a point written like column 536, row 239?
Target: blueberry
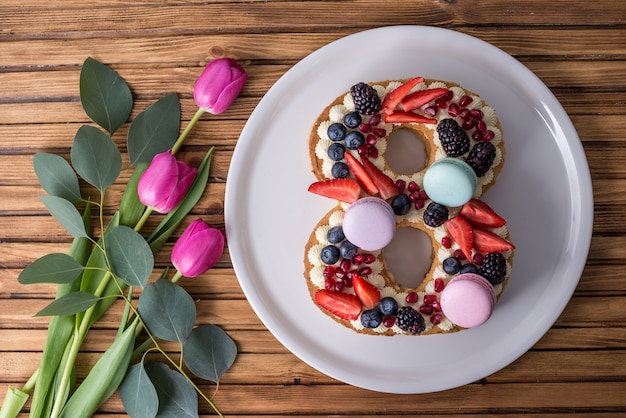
column 401, row 204
column 371, row 318
column 388, row 306
column 330, row 254
column 468, row 268
column 336, row 151
column 336, row 131
column 354, row 140
column 335, row 235
column 340, row 170
column 352, row 119
column 451, row 265
column 348, row 249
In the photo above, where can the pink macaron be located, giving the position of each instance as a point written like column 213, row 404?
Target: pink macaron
column 468, row 300
column 369, row 223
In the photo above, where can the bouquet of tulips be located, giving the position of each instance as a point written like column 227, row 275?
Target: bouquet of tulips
column 114, row 260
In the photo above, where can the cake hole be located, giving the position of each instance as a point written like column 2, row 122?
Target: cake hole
column 409, row 256
column 406, row 152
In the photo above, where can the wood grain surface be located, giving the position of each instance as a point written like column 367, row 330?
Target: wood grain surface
column 577, row 48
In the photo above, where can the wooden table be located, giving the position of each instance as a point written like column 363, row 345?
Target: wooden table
column 576, row 47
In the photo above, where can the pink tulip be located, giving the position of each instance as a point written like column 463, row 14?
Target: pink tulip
column 197, row 249
column 219, row 85
column 165, row 182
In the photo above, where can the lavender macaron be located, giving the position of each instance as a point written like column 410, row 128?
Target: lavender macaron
column 468, row 300
column 369, row 223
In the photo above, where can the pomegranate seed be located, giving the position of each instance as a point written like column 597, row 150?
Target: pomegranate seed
column 375, row 119
column 365, row 271
column 347, row 282
column 459, row 254
column 465, row 114
column 329, row 284
column 436, row 306
column 379, row 132
column 369, row 258
column 453, row 110
column 446, row 242
column 426, row 309
column 477, row 114
column 482, row 126
column 435, row 319
column 465, row 100
column 488, row 136
column 430, row 299
column 439, row 285
column 449, row 95
column 412, row 297
column 371, row 139
column 365, row 128
column 340, row 273
column 477, row 135
column 372, row 152
column 329, row 271
column 345, row 264
column 400, row 185
column 362, row 150
column 477, row 259
column 339, row 286
column 441, row 104
column 389, row 321
column 413, row 196
column 419, row 203
column 469, row 124
column 423, row 195
column 413, row 187
column 431, row 111
column 358, row 259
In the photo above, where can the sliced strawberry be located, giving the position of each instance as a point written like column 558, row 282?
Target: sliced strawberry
column 393, row 99
column 480, row 214
column 361, row 175
column 421, row 97
column 461, row 233
column 367, row 293
column 342, row 305
column 386, row 187
column 400, row 116
column 488, row 242
column 346, row 190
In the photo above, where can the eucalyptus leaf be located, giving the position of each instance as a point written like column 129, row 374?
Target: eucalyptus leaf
column 69, row 304
column 95, row 157
column 105, row 96
column 177, row 397
column 168, row 310
column 130, row 255
column 138, row 393
column 209, row 352
column 56, row 176
column 154, row 130
column 51, row 268
column 66, row 214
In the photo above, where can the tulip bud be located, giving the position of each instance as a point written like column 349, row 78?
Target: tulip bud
column 219, row 85
column 197, row 249
column 165, row 182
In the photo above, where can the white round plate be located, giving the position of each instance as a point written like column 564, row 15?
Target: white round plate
column 544, row 191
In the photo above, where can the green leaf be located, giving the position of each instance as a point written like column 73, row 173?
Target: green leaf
column 69, row 304
column 103, row 379
column 131, row 208
column 56, row 176
column 154, row 130
column 177, row 397
column 51, row 268
column 138, row 393
column 130, row 255
column 168, row 310
column 171, row 221
column 13, row 402
column 95, row 157
column 66, row 214
column 105, row 96
column 209, row 352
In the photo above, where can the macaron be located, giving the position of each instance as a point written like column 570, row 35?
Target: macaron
column 369, row 223
column 468, row 300
column 450, row 182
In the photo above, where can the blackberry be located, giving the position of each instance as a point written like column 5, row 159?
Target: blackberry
column 454, row 139
column 435, row 214
column 409, row 320
column 366, row 100
column 481, row 157
column 493, row 268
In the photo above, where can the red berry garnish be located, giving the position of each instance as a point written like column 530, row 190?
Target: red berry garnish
column 412, row 297
column 413, row 187
column 365, row 271
column 345, row 264
column 371, row 139
column 453, row 110
column 372, row 152
column 439, row 285
column 329, row 271
column 365, row 127
column 379, row 132
column 488, row 136
column 389, row 321
column 431, row 110
column 430, row 299
column 369, row 258
column 358, row 259
column 339, row 286
column 340, row 273
column 436, row 306
column 329, row 284
column 435, row 319
column 423, row 195
column 465, row 100
column 419, row 204
column 426, row 309
column 400, row 185
column 459, row 254
column 375, row 119
column 477, row 259
column 446, row 242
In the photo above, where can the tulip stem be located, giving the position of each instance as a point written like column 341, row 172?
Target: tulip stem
column 177, row 276
column 144, row 218
column 188, row 128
